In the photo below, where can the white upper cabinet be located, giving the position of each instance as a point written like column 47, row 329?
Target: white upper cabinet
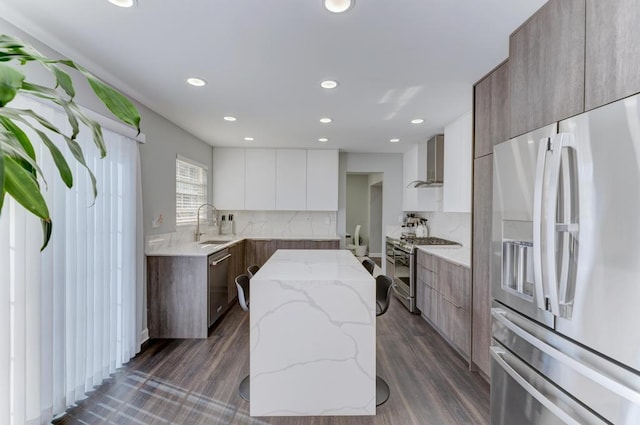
column 291, row 179
column 228, row 178
column 322, row 180
column 260, row 179
column 457, row 165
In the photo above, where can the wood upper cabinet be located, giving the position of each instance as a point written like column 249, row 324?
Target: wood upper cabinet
column 492, row 110
column 546, row 66
column 481, row 256
column 612, row 51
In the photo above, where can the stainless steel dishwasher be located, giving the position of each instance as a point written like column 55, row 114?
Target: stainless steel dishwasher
column 218, row 272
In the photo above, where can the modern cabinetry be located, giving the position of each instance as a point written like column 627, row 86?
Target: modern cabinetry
column 186, row 295
column 546, row 66
column 258, row 251
column 229, row 178
column 290, row 244
column 444, row 298
column 291, row 179
column 322, row 244
column 481, row 258
column 612, row 51
column 491, row 110
column 322, row 180
column 456, row 195
column 260, row 179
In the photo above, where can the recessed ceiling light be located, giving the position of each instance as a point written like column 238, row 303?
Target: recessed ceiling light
column 325, row 120
column 329, row 84
column 123, row 3
column 198, row 82
column 394, row 140
column 249, row 139
column 229, row 118
column 323, row 139
column 338, row 6
column 417, row 121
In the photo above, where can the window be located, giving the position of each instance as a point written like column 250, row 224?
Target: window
column 191, row 189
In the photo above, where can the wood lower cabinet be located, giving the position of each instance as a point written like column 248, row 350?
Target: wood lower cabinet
column 237, row 266
column 291, row 244
column 322, row 244
column 444, row 298
column 258, row 251
column 612, row 51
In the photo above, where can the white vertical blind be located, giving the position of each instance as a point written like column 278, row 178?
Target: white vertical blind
column 191, row 189
column 73, row 314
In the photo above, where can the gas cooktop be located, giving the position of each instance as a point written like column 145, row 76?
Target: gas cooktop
column 431, row 240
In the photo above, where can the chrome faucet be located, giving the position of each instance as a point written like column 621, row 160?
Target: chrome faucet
column 215, row 219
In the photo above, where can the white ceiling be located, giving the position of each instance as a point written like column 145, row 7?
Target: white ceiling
column 264, row 59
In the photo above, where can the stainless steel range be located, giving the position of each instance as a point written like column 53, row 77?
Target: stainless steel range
column 403, row 260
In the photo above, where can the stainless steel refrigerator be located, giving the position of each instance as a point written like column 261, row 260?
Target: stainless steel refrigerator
column 565, row 272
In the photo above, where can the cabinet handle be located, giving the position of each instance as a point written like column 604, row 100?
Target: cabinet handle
column 220, row 260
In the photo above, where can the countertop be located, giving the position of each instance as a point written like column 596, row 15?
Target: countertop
column 460, row 255
column 195, row 249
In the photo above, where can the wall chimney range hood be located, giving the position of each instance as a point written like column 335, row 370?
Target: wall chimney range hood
column 434, row 164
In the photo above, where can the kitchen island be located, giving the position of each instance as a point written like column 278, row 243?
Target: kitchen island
column 313, row 335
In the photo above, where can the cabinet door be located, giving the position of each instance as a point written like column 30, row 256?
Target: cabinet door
column 290, row 244
column 322, row 180
column 258, row 251
column 457, row 165
column 260, row 179
column 455, row 284
column 454, row 322
column 409, row 174
column 228, row 178
column 546, row 66
column 612, row 51
column 491, row 110
column 481, row 256
column 320, row 244
column 291, row 179
column 482, row 113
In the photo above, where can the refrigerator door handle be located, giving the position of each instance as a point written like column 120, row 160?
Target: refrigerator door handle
column 497, row 354
column 623, row 391
column 558, row 143
column 538, row 192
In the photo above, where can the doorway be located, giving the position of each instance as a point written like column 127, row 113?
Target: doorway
column 364, row 208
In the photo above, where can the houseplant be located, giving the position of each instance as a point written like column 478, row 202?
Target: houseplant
column 20, row 174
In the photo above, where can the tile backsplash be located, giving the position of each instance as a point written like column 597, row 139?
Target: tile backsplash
column 283, row 223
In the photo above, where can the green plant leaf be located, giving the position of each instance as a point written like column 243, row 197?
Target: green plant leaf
column 58, row 159
column 24, row 188
column 52, row 95
column 117, row 103
column 12, row 147
column 47, row 227
column 1, row 177
column 20, row 136
column 77, row 153
column 63, row 80
column 10, row 82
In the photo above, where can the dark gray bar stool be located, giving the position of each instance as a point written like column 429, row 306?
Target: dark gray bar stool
column 252, row 269
column 383, row 299
column 369, row 264
column 242, row 284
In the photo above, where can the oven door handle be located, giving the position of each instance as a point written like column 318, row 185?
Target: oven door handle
column 399, row 293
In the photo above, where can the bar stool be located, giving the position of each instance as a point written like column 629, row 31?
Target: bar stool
column 383, row 299
column 369, row 264
column 242, row 284
column 252, row 269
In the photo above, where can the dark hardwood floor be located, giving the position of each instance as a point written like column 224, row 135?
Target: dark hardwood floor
column 196, row 381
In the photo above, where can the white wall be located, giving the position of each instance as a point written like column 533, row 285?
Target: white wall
column 358, row 205
column 164, row 140
column 388, row 164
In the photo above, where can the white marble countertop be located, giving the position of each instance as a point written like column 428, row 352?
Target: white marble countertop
column 312, row 335
column 195, row 249
column 460, row 255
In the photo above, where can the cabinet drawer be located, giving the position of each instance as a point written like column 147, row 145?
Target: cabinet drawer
column 454, row 322
column 454, row 284
column 430, row 304
column 428, row 261
column 427, row 277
